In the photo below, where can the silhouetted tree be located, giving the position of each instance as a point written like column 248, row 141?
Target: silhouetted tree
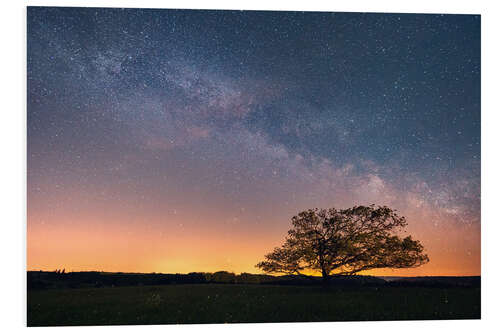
column 223, row 277
column 344, row 242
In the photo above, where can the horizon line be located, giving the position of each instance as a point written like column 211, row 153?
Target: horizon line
column 117, row 272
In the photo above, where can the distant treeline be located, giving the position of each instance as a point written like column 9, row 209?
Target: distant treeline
column 60, row 279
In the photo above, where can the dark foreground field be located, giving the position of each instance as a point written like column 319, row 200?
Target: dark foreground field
column 222, row 303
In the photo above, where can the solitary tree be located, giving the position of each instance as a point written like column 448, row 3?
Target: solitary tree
column 344, row 242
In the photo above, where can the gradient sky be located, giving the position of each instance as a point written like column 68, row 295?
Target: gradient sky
column 180, row 140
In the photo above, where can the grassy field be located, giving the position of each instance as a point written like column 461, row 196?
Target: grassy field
column 218, row 303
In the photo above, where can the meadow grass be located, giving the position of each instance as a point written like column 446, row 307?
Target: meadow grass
column 223, row 303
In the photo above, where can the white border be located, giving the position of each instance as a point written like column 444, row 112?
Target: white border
column 13, row 148
column 425, row 6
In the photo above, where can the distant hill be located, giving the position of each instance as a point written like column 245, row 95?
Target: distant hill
column 93, row 279
column 435, row 281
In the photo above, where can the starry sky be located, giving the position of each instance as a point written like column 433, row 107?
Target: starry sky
column 185, row 140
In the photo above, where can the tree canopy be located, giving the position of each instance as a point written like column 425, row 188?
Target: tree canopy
column 345, row 242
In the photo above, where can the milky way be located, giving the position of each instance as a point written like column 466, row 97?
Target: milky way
column 186, row 130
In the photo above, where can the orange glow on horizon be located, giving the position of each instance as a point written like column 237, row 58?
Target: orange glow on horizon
column 117, row 247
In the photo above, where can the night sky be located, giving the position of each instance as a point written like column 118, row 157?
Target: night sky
column 181, row 140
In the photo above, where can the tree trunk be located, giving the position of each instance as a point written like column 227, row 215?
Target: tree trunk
column 325, row 278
